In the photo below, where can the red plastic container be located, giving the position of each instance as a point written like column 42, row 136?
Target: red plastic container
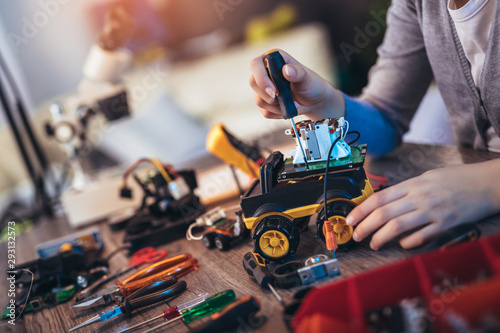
column 463, row 280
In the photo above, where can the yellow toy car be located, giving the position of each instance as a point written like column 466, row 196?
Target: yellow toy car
column 279, row 204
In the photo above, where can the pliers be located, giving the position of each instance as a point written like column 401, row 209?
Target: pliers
column 141, row 298
column 168, row 268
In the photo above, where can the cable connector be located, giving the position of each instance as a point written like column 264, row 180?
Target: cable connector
column 330, row 238
column 179, row 188
column 206, row 220
column 341, row 121
column 211, row 217
column 125, row 192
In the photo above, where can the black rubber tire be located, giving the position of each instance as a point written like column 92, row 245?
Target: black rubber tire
column 302, row 223
column 222, row 242
column 208, row 240
column 337, row 207
column 283, row 225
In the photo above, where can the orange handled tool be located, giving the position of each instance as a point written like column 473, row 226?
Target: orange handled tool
column 147, row 255
column 169, row 268
column 155, row 268
column 177, row 271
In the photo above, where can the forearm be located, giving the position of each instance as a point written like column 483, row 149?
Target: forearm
column 375, row 127
column 485, row 176
column 421, row 208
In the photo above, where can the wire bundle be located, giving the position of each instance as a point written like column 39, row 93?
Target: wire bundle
column 163, row 169
column 342, row 136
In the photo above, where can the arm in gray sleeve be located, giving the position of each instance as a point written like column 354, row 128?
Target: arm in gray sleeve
column 397, row 82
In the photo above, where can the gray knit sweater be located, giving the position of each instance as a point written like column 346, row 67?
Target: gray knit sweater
column 421, row 43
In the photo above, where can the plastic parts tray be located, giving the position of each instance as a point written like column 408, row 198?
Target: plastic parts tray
column 341, row 306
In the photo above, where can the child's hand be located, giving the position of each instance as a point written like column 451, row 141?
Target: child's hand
column 315, row 96
column 437, row 200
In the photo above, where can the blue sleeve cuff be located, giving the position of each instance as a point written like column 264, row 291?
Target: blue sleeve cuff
column 375, row 127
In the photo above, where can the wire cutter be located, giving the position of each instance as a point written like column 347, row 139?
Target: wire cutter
column 137, row 300
column 171, row 267
column 147, row 255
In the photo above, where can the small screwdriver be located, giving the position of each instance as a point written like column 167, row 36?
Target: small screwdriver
column 274, row 63
column 130, row 305
column 173, row 312
column 211, row 305
column 231, row 317
column 255, row 266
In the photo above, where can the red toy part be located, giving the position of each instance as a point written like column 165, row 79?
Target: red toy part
column 469, row 304
column 321, row 323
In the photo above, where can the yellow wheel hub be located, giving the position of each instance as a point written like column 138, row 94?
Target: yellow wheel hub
column 274, row 243
column 342, row 231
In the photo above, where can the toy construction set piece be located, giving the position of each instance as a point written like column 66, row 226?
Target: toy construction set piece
column 323, row 172
column 255, row 266
column 221, row 231
column 169, row 204
column 296, row 273
column 169, row 190
column 316, row 138
column 280, row 203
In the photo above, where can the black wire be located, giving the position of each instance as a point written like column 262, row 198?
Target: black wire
column 112, row 254
column 328, row 164
column 357, row 138
column 326, row 172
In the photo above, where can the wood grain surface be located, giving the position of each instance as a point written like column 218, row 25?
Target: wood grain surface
column 218, row 271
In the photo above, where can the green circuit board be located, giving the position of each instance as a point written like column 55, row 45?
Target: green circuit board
column 357, row 156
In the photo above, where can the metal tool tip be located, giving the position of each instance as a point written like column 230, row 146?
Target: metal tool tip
column 275, row 293
column 77, row 327
column 85, row 323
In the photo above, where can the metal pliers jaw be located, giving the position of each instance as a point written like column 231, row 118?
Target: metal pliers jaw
column 147, row 280
column 103, row 297
column 145, row 296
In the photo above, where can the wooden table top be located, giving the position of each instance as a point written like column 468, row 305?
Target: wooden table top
column 223, row 270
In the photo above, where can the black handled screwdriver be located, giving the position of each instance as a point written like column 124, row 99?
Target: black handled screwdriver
column 274, row 62
column 255, row 266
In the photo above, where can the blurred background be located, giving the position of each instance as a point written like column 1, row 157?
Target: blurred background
column 186, row 69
